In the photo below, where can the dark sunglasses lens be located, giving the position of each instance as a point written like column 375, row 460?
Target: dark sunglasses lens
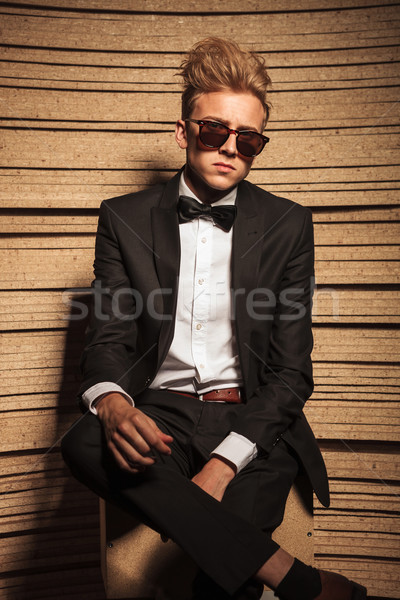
column 249, row 143
column 214, row 135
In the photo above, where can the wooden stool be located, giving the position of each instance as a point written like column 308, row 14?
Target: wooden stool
column 136, row 564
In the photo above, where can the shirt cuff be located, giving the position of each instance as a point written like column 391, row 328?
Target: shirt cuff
column 101, row 389
column 237, row 449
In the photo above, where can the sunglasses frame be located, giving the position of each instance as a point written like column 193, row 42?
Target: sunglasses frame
column 202, row 122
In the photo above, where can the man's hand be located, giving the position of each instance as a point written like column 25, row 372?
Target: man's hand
column 215, row 477
column 132, row 437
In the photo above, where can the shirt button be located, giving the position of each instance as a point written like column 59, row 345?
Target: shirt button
column 200, row 281
column 203, row 240
column 198, row 326
column 201, row 366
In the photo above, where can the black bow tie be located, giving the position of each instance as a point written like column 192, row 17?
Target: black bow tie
column 189, row 209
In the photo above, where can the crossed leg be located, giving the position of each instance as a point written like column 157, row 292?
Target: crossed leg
column 229, row 541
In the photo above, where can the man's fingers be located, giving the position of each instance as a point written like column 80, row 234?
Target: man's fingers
column 162, row 441
column 153, row 435
column 165, row 437
column 161, row 446
column 139, row 433
column 124, row 462
column 136, row 439
column 128, row 453
column 130, row 441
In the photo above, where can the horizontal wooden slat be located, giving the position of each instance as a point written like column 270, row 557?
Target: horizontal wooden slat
column 150, row 79
column 19, row 502
column 334, row 108
column 114, row 32
column 39, row 380
column 43, row 558
column 67, row 399
column 325, row 57
column 56, row 583
column 345, row 543
column 354, row 420
column 369, row 521
column 358, row 272
column 385, row 397
column 361, row 381
column 192, row 6
column 66, row 242
column 364, row 345
column 38, row 429
column 349, row 214
column 20, row 505
column 355, row 306
column 344, row 459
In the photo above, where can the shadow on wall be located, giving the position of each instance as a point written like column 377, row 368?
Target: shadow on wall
column 53, row 548
column 75, row 522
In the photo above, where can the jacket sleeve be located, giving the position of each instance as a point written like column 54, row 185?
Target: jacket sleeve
column 283, row 365
column 111, row 335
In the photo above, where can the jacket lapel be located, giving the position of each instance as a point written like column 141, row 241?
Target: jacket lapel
column 247, row 243
column 246, row 253
column 167, row 251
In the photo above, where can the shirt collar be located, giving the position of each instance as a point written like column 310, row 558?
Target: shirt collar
column 184, row 190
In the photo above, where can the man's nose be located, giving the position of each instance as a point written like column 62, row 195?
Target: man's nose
column 229, row 147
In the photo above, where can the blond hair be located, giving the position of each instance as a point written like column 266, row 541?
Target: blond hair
column 216, row 64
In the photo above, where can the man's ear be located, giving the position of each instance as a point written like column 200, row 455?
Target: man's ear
column 181, row 134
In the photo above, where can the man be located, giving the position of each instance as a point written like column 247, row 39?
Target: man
column 197, row 364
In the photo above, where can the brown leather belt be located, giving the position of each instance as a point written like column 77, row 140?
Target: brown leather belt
column 224, row 395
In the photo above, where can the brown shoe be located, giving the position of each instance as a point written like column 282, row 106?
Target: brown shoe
column 338, row 587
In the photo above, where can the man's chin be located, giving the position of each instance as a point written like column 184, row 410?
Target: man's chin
column 210, row 188
column 221, row 183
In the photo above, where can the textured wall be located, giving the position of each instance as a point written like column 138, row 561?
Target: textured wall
column 88, row 103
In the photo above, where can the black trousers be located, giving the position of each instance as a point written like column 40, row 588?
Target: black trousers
column 229, row 540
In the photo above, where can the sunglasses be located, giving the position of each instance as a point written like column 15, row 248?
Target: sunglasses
column 214, row 135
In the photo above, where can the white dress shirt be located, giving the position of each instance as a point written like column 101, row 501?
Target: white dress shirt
column 203, row 355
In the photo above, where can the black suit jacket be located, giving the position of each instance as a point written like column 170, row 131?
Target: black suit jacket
column 135, row 292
